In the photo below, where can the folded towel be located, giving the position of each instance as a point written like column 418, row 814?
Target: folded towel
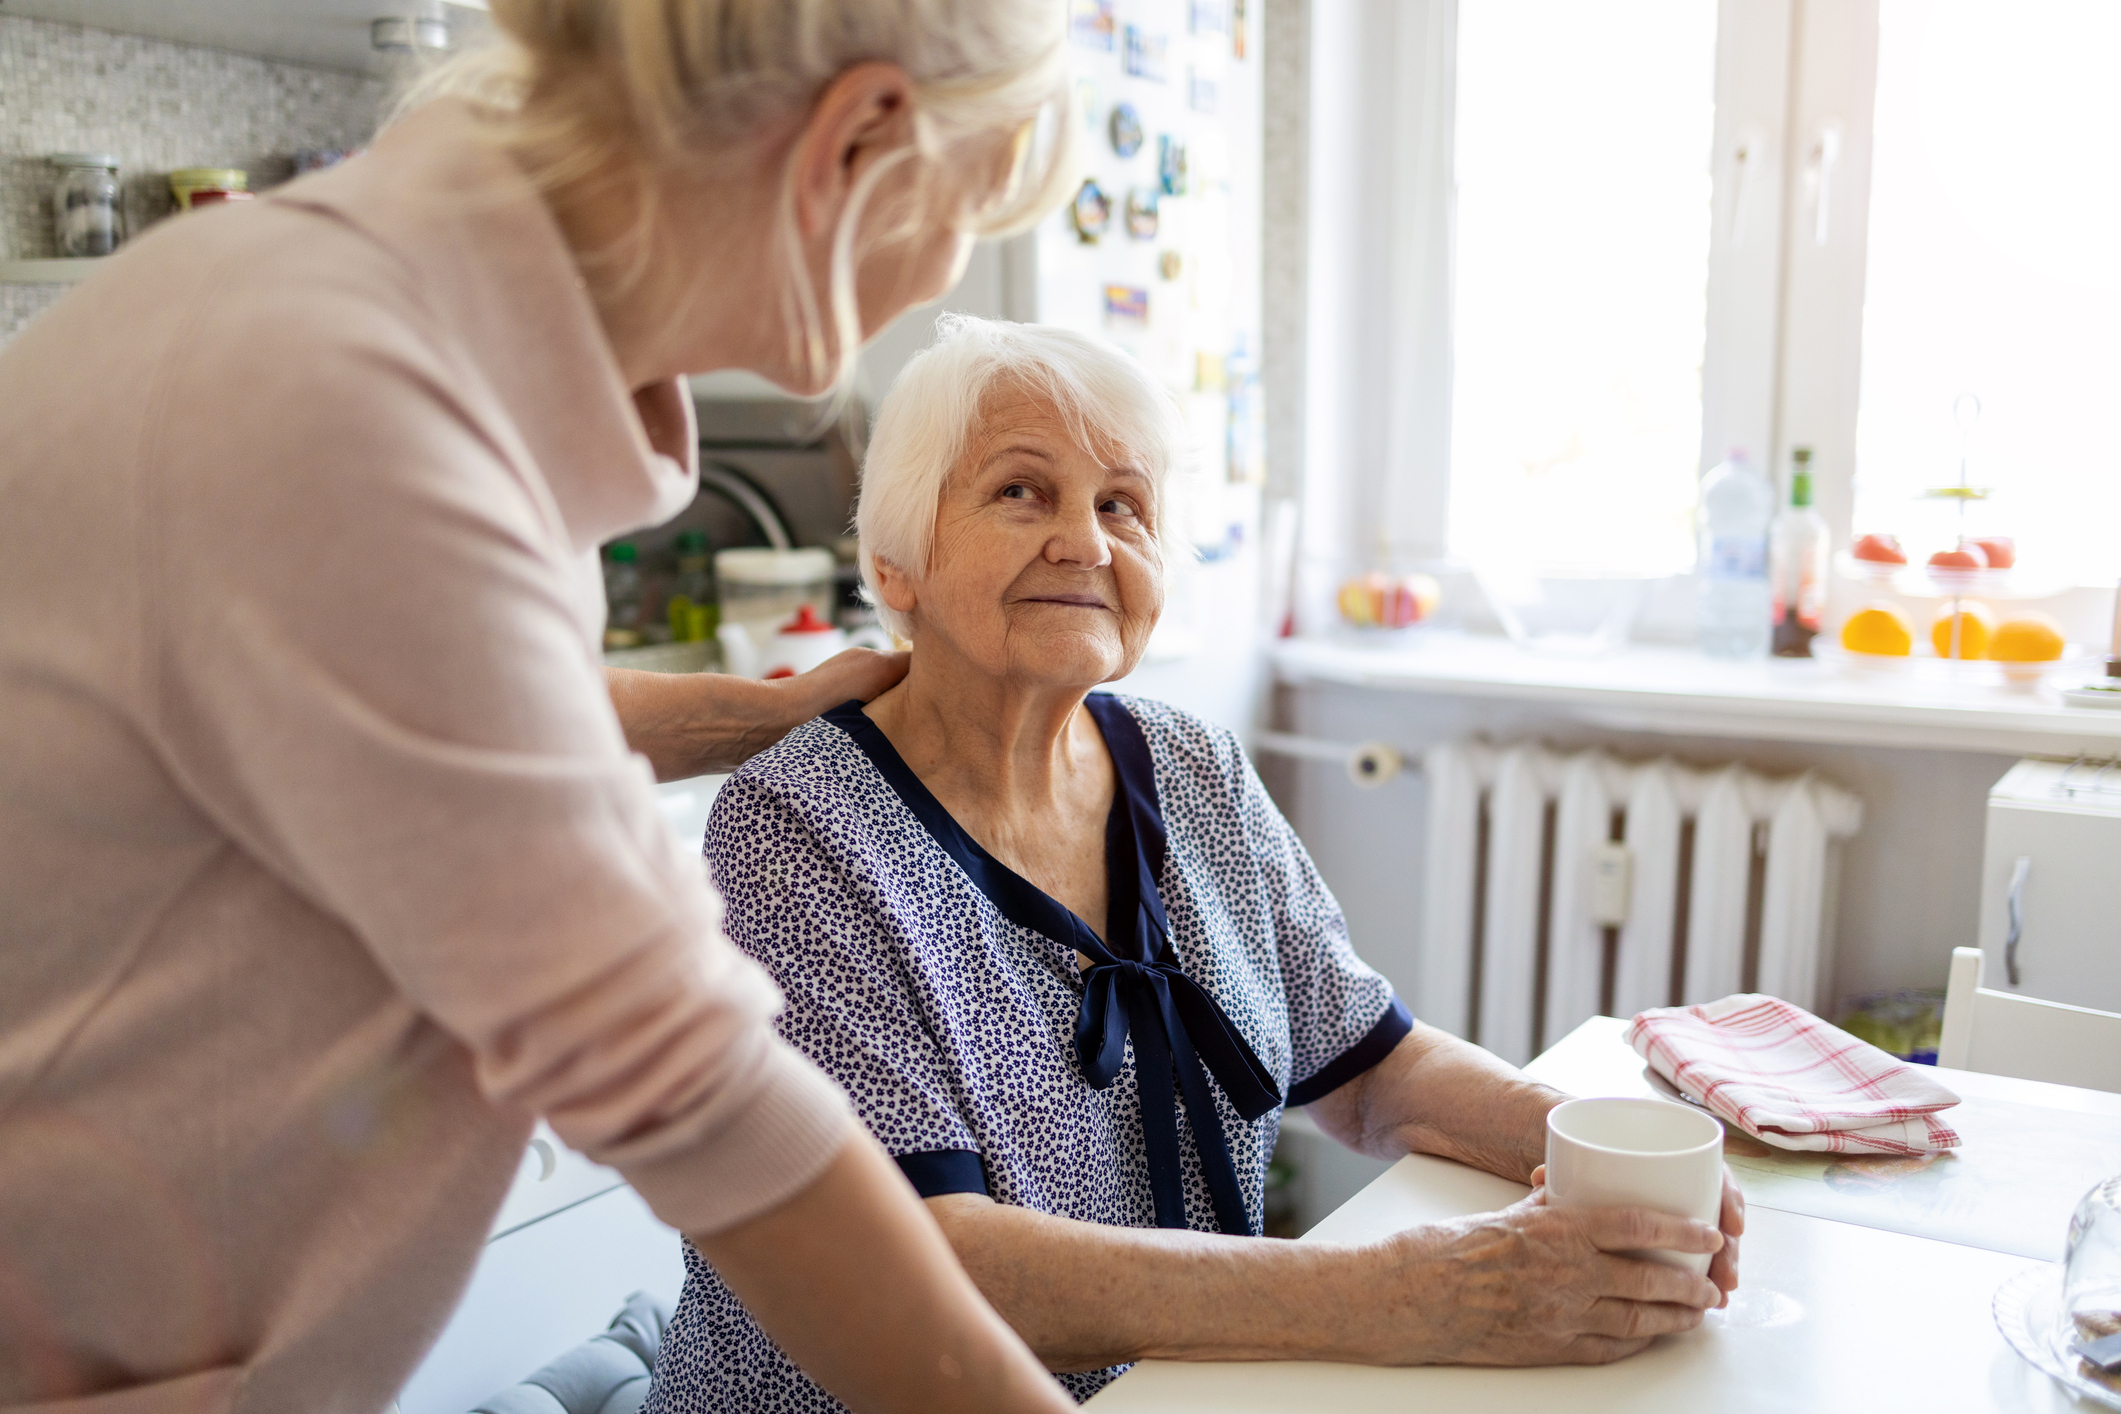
column 1789, row 1079
column 607, row 1374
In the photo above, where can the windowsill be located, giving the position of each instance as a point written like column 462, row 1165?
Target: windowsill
column 1677, row 691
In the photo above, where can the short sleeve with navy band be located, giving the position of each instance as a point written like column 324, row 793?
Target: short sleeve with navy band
column 927, row 979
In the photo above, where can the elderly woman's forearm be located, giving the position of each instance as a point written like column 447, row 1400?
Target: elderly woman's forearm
column 1085, row 1296
column 1436, row 1094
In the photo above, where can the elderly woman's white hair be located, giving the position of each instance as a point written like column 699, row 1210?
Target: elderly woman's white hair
column 1107, row 400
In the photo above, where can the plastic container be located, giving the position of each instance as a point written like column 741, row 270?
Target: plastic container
column 762, row 589
column 1736, row 604
column 186, row 182
column 88, row 204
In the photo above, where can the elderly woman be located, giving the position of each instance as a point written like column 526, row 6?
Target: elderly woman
column 1071, row 962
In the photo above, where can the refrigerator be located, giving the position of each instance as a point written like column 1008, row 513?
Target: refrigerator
column 1160, row 254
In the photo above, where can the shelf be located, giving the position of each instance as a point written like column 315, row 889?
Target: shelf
column 325, row 34
column 49, row 272
column 1677, row 691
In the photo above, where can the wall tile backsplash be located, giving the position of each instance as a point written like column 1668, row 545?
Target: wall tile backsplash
column 156, row 107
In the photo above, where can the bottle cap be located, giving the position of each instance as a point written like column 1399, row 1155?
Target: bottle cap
column 624, row 552
column 692, row 542
column 806, row 621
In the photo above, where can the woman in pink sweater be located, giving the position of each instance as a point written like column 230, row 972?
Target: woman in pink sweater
column 325, row 867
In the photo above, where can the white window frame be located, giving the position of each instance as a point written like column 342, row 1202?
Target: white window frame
column 1785, row 310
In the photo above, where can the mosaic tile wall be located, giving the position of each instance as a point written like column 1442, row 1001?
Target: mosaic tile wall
column 156, row 106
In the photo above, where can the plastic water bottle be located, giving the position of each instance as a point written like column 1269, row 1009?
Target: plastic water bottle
column 1737, row 507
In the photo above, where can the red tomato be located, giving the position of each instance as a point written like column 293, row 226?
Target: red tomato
column 2002, row 551
column 1884, row 549
column 1967, row 557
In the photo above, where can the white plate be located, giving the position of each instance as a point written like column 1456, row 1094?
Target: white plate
column 2027, row 1307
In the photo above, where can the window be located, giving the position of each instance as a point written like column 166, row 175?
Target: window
column 1994, row 268
column 1674, row 226
column 1582, row 173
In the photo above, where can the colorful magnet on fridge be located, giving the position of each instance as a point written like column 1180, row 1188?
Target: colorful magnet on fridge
column 1202, row 93
column 1091, row 211
column 1169, row 264
column 1090, row 23
column 1171, row 165
column 1142, row 219
column 1142, row 53
column 1126, row 305
column 1089, row 99
column 1126, row 129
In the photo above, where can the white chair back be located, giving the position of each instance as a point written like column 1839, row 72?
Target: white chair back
column 2005, row 1034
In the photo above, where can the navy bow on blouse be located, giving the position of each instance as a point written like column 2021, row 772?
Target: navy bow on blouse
column 1135, row 987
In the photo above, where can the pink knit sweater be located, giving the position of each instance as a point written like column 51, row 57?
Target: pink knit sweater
column 324, row 866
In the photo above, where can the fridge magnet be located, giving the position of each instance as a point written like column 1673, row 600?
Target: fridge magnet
column 1169, row 264
column 1089, row 99
column 1142, row 219
column 1126, row 305
column 1211, row 16
column 1090, row 23
column 1143, row 53
column 1201, row 92
column 1208, row 373
column 1171, row 165
column 1091, row 212
column 1237, row 29
column 1126, row 126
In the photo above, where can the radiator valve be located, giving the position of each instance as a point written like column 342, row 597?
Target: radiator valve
column 1373, row 763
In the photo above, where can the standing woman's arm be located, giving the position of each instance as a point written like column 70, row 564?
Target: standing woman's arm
column 901, row 1326
column 688, row 724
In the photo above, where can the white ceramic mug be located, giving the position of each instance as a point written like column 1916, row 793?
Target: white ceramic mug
column 1638, row 1154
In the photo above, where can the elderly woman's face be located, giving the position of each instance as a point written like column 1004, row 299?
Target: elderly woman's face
column 1045, row 565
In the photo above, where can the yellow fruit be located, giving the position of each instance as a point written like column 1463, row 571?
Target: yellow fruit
column 2030, row 638
column 1880, row 629
column 1977, row 628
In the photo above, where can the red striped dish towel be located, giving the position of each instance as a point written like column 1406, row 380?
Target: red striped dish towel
column 1789, row 1079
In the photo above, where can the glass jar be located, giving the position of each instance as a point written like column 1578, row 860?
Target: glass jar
column 2091, row 1275
column 88, row 204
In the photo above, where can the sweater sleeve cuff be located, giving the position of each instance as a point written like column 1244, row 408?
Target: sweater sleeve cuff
column 794, row 1126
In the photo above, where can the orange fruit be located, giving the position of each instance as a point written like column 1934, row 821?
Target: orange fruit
column 2029, row 638
column 1880, row 629
column 1977, row 627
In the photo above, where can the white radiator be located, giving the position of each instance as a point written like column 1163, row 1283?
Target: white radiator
column 1563, row 884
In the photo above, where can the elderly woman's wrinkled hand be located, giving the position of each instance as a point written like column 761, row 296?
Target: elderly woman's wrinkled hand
column 1723, row 1267
column 1536, row 1285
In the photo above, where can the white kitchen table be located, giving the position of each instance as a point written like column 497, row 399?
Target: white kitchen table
column 1830, row 1315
